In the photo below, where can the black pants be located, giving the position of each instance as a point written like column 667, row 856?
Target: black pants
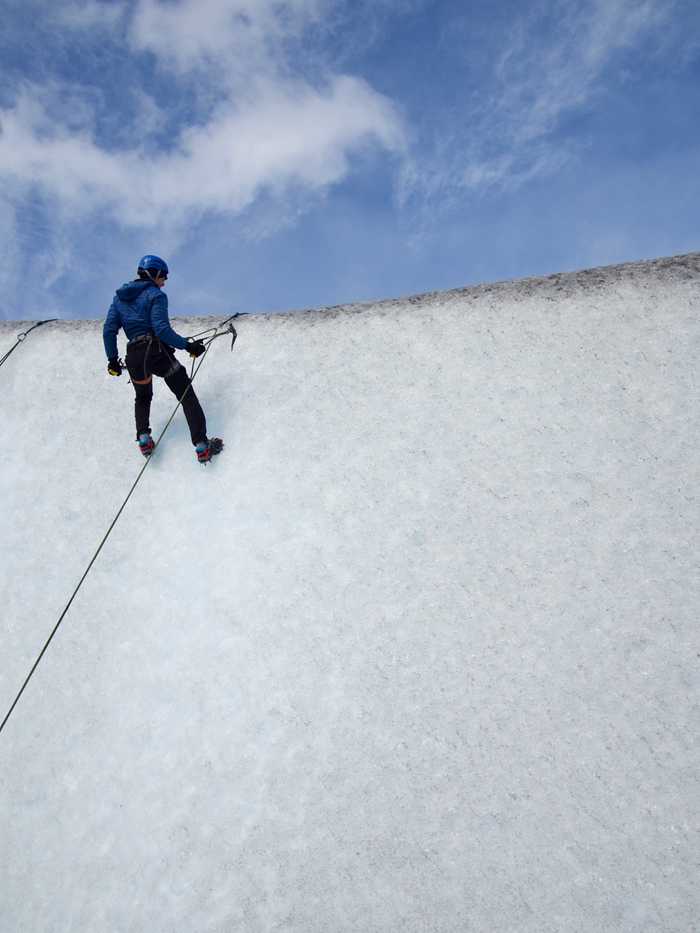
column 146, row 358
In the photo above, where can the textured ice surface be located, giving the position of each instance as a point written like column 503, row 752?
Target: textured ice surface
column 418, row 652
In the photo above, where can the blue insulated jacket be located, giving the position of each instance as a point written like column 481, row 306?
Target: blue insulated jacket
column 139, row 307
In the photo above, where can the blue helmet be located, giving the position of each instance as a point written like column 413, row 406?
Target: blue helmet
column 153, row 264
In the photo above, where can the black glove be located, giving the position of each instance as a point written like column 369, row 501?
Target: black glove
column 114, row 367
column 195, row 348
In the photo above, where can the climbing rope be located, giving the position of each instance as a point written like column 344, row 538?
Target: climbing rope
column 229, row 329
column 22, row 336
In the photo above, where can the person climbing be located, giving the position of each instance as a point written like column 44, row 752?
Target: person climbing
column 141, row 309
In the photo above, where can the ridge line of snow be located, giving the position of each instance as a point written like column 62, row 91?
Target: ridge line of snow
column 577, row 279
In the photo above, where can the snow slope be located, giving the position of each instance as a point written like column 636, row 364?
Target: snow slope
column 418, row 652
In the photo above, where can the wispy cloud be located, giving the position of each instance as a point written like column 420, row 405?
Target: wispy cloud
column 537, row 82
column 9, row 268
column 88, row 14
column 556, row 60
column 238, row 35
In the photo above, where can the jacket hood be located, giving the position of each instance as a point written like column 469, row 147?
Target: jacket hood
column 131, row 290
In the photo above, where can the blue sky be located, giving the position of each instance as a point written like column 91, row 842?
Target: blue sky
column 293, row 154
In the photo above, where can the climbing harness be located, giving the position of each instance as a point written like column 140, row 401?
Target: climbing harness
column 22, row 336
column 217, row 332
column 214, row 332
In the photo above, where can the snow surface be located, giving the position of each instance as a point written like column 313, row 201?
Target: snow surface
column 418, row 652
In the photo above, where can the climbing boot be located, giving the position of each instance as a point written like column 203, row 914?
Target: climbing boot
column 146, row 444
column 209, row 448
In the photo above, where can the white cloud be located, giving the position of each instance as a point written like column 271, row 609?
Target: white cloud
column 237, row 35
column 281, row 135
column 267, row 133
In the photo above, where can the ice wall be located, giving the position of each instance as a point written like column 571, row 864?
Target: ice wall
column 418, row 652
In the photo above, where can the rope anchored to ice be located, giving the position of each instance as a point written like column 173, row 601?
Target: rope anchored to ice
column 23, row 335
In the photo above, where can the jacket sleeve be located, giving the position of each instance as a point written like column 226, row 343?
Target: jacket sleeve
column 161, row 323
column 110, row 331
